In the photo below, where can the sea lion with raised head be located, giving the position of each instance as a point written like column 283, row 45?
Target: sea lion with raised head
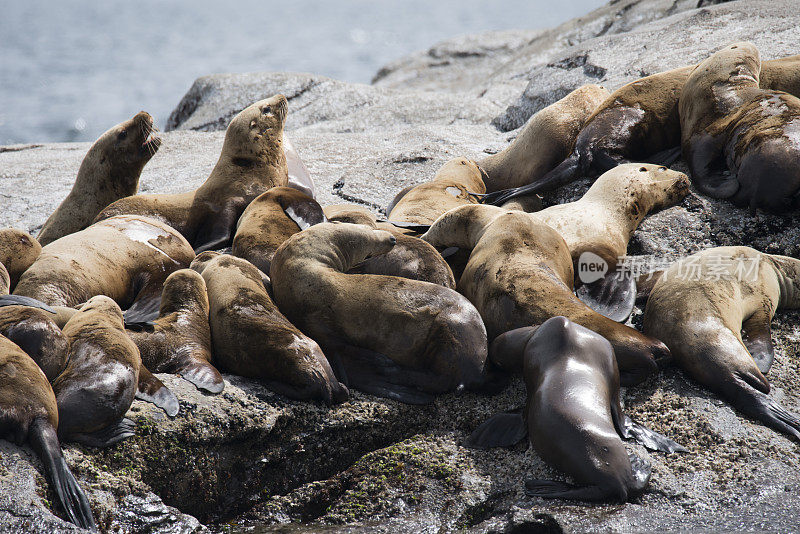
column 520, row 273
column 573, row 417
column 109, row 171
column 251, row 162
column 269, row 220
column 18, row 251
column 740, row 141
column 252, row 338
column 28, row 413
column 179, row 340
column 545, row 141
column 701, row 305
column 390, row 336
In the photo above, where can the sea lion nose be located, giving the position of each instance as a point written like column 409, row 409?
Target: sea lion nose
column 393, row 240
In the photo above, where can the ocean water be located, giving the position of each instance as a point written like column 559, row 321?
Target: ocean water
column 69, row 70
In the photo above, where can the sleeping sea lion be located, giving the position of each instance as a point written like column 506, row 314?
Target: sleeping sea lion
column 520, row 273
column 251, row 162
column 34, row 331
column 28, row 413
column 700, row 306
column 18, row 251
column 252, row 338
column 109, row 171
column 390, row 336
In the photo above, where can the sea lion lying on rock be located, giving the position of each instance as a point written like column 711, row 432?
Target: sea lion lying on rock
column 18, row 251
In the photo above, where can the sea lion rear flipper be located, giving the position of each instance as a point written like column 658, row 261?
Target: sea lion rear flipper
column 500, row 430
column 709, row 168
column 215, row 232
column 759, row 406
column 414, row 227
column 105, row 437
column 43, row 440
column 203, row 375
column 630, row 429
column 758, row 340
column 553, row 489
column 151, row 389
column 19, row 300
column 613, row 296
column 565, row 172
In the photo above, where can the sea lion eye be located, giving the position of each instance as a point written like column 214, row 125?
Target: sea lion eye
column 122, row 135
column 266, row 110
column 643, row 169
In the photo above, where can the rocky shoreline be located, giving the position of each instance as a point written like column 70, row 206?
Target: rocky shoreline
column 248, row 458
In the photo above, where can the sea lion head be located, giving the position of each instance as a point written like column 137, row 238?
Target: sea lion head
column 738, row 64
column 202, row 260
column 256, row 133
column 104, row 305
column 658, row 187
column 129, row 144
column 18, row 251
column 184, row 289
column 341, row 245
column 463, row 171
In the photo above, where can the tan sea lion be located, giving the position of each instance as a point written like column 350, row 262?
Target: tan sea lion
column 126, row 258
column 109, row 171
column 393, row 337
column 272, row 218
column 251, row 162
column 573, row 417
column 34, row 331
column 740, row 141
column 700, row 306
column 18, row 251
column 350, row 213
column 99, row 384
column 545, row 141
column 28, row 413
column 520, row 273
column 179, row 341
column 5, row 281
column 252, row 338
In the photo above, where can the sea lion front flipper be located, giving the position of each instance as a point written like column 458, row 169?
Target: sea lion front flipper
column 630, row 429
column 414, row 227
column 613, row 296
column 709, row 169
column 145, row 309
column 565, row 172
column 500, row 430
column 758, row 340
column 105, row 437
column 553, row 489
column 203, row 375
column 44, row 441
column 19, row 300
column 215, row 232
column 151, row 389
column 759, row 406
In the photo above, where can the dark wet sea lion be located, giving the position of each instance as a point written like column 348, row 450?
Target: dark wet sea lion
column 520, row 273
column 251, row 162
column 573, row 417
column 109, row 171
column 252, row 338
column 179, row 341
column 272, row 218
column 34, row 331
column 18, row 251
column 126, row 258
column 740, row 141
column 390, row 336
column 28, row 413
column 545, row 141
column 701, row 305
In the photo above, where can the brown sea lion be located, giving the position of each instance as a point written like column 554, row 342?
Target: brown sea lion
column 545, row 141
column 251, row 162
column 299, row 177
column 179, row 341
column 126, row 258
column 252, row 338
column 573, row 417
column 34, row 331
column 520, row 273
column 99, row 384
column 740, row 141
column 782, row 74
column 109, row 171
column 28, row 413
column 5, row 281
column 701, row 305
column 390, row 336
column 272, row 218
column 350, row 213
column 18, row 251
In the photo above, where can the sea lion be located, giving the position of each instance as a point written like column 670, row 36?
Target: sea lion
column 99, row 384
column 782, row 74
column 252, row 338
column 272, row 218
column 5, row 281
column 109, row 171
column 126, row 258
column 28, row 413
column 299, row 177
column 350, row 213
column 389, row 336
column 18, row 251
column 573, row 417
column 179, row 341
column 545, row 141
column 251, row 162
column 34, row 331
column 740, row 141
column 700, row 306
column 520, row 273
column 457, row 182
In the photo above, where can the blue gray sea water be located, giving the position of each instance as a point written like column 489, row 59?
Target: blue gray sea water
column 71, row 69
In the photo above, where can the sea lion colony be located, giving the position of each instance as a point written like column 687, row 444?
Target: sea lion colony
column 449, row 293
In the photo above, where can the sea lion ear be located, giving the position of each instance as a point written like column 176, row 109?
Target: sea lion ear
column 613, row 295
column 758, row 339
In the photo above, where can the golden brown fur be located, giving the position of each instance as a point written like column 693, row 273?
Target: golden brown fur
column 18, row 251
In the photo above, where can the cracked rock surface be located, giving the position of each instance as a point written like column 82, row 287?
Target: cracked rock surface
column 249, row 460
